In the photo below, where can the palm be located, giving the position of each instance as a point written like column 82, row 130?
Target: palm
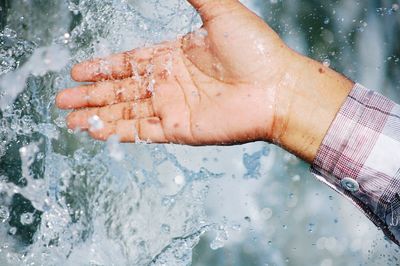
column 202, row 103
column 213, row 86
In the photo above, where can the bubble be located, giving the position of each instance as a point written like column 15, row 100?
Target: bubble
column 165, row 228
column 266, row 213
column 326, row 63
column 326, row 21
column 27, row 218
column 247, row 219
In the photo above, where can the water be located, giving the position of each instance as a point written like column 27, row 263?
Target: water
column 67, row 200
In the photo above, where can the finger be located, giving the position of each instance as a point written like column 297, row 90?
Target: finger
column 118, row 66
column 210, row 9
column 102, row 93
column 146, row 129
column 122, row 111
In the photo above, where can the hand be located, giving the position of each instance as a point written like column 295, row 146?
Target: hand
column 231, row 81
column 216, row 85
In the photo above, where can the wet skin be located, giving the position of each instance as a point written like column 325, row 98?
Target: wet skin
column 232, row 81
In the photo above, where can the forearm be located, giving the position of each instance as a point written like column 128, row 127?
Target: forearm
column 304, row 113
column 350, row 136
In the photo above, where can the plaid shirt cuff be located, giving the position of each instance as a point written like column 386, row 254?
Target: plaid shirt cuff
column 360, row 157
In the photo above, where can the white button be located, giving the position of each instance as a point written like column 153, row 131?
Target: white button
column 350, row 184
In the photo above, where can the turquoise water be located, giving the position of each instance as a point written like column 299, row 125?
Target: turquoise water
column 67, row 200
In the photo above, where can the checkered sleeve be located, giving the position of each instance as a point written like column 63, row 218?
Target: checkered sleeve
column 360, row 157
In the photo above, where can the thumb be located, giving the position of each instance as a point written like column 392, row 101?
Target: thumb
column 210, row 9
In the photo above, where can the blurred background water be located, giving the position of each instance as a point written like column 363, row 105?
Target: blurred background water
column 68, row 200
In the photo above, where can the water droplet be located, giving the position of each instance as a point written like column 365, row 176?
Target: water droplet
column 4, row 213
column 165, row 228
column 311, row 227
column 326, row 21
column 326, row 63
column 266, row 213
column 115, row 150
column 9, row 33
column 220, row 239
column 236, row 227
column 216, row 245
column 12, row 231
column 66, row 37
column 179, row 180
column 296, row 178
column 284, row 226
column 247, row 219
column 168, row 201
column 27, row 218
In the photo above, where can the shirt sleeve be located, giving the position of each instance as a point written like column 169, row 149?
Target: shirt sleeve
column 360, row 157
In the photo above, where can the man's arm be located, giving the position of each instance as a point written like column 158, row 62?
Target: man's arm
column 235, row 81
column 304, row 114
column 232, row 81
column 359, row 157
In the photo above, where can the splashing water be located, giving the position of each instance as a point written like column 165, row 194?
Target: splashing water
column 141, row 207
column 67, row 200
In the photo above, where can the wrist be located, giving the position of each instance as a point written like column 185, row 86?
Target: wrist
column 307, row 101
